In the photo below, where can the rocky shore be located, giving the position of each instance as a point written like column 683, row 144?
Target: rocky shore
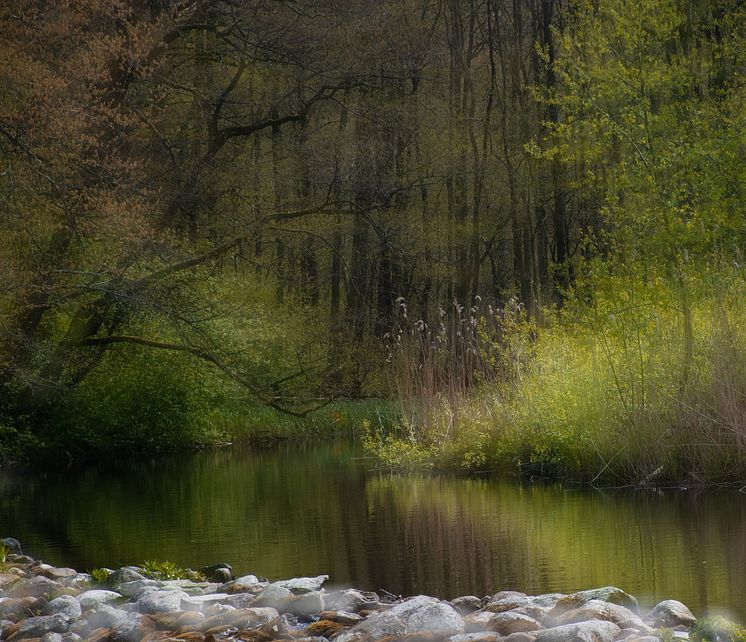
column 50, row 604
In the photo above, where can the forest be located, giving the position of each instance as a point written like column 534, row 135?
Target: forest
column 483, row 234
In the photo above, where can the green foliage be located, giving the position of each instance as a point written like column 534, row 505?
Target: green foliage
column 610, row 393
column 718, row 629
column 164, row 570
column 99, row 575
column 4, row 550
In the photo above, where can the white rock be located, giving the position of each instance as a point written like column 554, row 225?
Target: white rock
column 161, row 601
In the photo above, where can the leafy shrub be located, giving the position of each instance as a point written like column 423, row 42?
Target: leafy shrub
column 99, row 575
column 718, row 629
column 164, row 570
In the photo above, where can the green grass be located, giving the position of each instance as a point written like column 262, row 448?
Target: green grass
column 610, row 397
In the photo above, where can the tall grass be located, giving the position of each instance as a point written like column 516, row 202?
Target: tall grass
column 615, row 396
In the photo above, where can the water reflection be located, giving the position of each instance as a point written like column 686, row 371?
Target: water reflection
column 313, row 509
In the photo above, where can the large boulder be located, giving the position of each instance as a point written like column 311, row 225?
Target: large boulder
column 38, row 586
column 597, row 610
column 610, row 594
column 221, row 572
column 670, row 613
column 90, row 599
column 64, row 605
column 300, row 585
column 161, row 601
column 279, row 597
column 349, row 600
column 124, row 575
column 591, row 631
column 416, row 616
column 36, row 627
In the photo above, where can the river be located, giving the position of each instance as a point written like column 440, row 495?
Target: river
column 307, row 509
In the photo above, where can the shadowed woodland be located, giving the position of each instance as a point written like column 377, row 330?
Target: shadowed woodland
column 519, row 221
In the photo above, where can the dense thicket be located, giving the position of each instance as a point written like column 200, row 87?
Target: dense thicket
column 259, row 189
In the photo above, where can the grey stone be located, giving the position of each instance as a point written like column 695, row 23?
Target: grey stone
column 246, row 583
column 35, row 627
column 199, row 602
column 103, row 615
column 125, row 575
column 138, row 588
column 38, row 586
column 52, row 637
column 610, row 594
column 349, row 600
column 12, row 608
column 131, row 628
column 511, row 622
column 12, row 544
column 221, row 572
column 89, row 599
column 300, row 585
column 670, row 613
column 420, row 614
column 467, row 604
column 591, row 631
column 161, row 601
column 65, row 605
column 597, row 610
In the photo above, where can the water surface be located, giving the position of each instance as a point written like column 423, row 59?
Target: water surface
column 321, row 508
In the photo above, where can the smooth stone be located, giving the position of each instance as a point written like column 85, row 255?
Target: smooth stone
column 246, row 583
column 591, row 631
column 285, row 601
column 12, row 608
column 670, row 613
column 510, row 622
column 597, row 610
column 467, row 604
column 221, row 572
column 59, row 574
column 12, row 544
column 104, row 616
column 342, row 617
column 349, row 599
column 52, row 637
column 417, row 615
column 610, row 594
column 125, row 575
column 35, row 627
column 300, row 585
column 135, row 590
column 132, row 628
column 65, row 605
column 198, row 602
column 161, row 601
column 478, row 621
column 20, row 558
column 89, row 599
column 38, row 586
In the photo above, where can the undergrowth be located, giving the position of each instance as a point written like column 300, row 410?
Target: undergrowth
column 616, row 395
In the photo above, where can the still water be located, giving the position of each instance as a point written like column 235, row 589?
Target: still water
column 321, row 508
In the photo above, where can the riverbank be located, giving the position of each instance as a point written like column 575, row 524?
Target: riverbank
column 226, row 424
column 45, row 603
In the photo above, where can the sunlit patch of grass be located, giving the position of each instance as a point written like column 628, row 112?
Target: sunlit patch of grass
column 612, row 396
